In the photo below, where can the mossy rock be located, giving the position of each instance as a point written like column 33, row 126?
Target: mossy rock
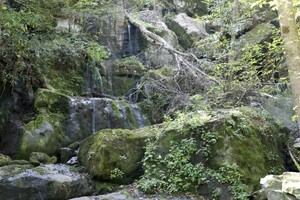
column 65, row 80
column 4, row 160
column 51, row 101
column 240, row 137
column 45, row 134
column 128, row 67
column 118, row 85
column 260, row 33
column 121, row 75
column 37, row 158
column 113, row 155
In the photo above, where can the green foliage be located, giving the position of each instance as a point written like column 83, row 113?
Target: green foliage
column 20, row 34
column 116, row 174
column 173, row 173
column 46, row 7
column 243, row 63
column 96, row 52
column 229, row 173
column 231, row 16
column 31, row 50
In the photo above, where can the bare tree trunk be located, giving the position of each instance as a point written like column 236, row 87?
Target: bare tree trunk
column 289, row 34
column 1, row 19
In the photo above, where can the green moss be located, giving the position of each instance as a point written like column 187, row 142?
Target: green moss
column 39, row 170
column 4, row 160
column 45, row 134
column 132, row 119
column 241, row 137
column 118, row 85
column 259, row 34
column 74, row 145
column 65, row 81
column 129, row 66
column 110, row 149
column 184, row 39
column 247, row 139
column 12, row 170
column 161, row 72
column 115, row 109
column 50, row 101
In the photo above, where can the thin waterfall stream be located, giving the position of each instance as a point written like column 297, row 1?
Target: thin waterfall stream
column 129, row 37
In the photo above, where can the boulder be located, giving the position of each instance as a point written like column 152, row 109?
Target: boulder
column 37, row 158
column 44, row 182
column 133, row 194
column 241, row 141
column 45, row 134
column 113, row 155
column 4, row 159
column 188, row 30
column 278, row 187
column 259, row 34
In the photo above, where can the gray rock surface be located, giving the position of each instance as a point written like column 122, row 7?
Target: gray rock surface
column 188, row 29
column 44, row 182
column 279, row 187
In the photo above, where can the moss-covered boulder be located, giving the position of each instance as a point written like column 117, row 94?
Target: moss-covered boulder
column 4, row 160
column 45, row 134
column 37, row 158
column 207, row 152
column 113, row 155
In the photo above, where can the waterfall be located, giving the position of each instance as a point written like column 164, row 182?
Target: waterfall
column 129, row 37
column 138, row 115
column 97, row 83
column 89, row 115
column 93, row 116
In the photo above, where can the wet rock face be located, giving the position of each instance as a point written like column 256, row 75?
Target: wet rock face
column 44, row 182
column 89, row 115
column 63, row 120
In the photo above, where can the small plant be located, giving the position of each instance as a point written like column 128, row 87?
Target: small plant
column 116, row 174
column 173, row 173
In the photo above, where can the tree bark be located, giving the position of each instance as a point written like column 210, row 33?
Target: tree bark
column 289, row 34
column 1, row 19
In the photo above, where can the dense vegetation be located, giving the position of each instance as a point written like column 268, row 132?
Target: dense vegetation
column 208, row 101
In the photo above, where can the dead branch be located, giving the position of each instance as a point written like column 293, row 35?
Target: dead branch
column 181, row 58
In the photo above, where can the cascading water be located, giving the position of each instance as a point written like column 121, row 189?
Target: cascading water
column 89, row 115
column 138, row 115
column 129, row 37
column 93, row 116
column 132, row 42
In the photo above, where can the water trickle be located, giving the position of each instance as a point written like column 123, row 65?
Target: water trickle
column 129, row 37
column 132, row 42
column 98, row 83
column 138, row 115
column 94, row 116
